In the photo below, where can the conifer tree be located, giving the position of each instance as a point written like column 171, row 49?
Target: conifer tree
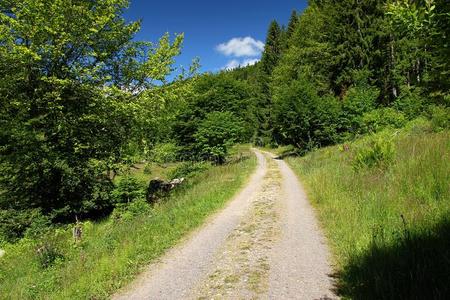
column 293, row 22
column 272, row 50
column 271, row 56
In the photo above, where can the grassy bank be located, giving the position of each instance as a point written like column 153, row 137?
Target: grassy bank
column 384, row 203
column 112, row 252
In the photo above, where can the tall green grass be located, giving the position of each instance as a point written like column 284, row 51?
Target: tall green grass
column 388, row 222
column 112, row 252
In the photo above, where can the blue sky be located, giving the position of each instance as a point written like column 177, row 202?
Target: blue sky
column 220, row 33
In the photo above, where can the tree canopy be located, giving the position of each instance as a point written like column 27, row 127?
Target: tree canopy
column 80, row 104
column 71, row 100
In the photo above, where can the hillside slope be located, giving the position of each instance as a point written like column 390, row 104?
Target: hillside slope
column 384, row 202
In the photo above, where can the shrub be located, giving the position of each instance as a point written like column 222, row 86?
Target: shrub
column 40, row 226
column 357, row 102
column 48, row 253
column 139, row 206
column 303, row 118
column 164, row 153
column 410, row 103
column 440, row 118
column 378, row 151
column 128, row 189
column 60, row 188
column 379, row 119
column 216, row 134
column 188, row 169
column 14, row 223
column 418, row 126
column 126, row 211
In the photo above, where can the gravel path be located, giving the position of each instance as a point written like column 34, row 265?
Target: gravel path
column 241, row 267
column 300, row 262
column 266, row 244
column 183, row 267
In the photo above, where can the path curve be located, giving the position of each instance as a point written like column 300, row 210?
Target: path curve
column 265, row 244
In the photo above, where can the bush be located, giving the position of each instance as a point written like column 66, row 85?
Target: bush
column 58, row 187
column 128, row 190
column 40, row 226
column 164, row 153
column 14, row 223
column 304, row 119
column 378, row 151
column 440, row 118
column 216, row 134
column 382, row 118
column 48, row 253
column 418, row 126
column 188, row 169
column 410, row 103
column 357, row 102
column 126, row 211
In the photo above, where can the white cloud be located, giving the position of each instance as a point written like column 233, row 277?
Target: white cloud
column 240, row 47
column 235, row 63
column 250, row 61
column 232, row 64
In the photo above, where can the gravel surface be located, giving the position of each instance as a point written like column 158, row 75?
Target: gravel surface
column 266, row 244
column 300, row 266
column 183, row 267
column 241, row 268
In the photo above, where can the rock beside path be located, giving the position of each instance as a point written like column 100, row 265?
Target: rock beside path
column 159, row 188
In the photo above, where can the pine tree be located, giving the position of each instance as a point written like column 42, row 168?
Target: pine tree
column 358, row 40
column 293, row 22
column 272, row 50
column 271, row 56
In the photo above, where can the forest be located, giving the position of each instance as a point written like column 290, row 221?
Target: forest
column 84, row 107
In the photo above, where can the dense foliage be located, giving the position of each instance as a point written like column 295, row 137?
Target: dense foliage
column 73, row 101
column 321, row 78
column 216, row 134
column 89, row 117
column 219, row 111
column 80, row 104
column 339, row 70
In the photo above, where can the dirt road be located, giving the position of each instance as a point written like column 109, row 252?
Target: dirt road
column 266, row 244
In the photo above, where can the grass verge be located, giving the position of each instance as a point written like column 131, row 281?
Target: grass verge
column 384, row 203
column 112, row 252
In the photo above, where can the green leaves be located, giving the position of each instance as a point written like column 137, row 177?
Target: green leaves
column 216, row 134
column 272, row 50
column 75, row 90
column 411, row 18
column 377, row 151
column 304, row 119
